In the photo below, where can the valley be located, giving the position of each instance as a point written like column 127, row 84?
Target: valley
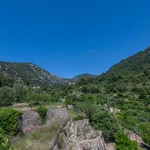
column 40, row 111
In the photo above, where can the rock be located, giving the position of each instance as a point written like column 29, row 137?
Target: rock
column 30, row 121
column 54, row 115
column 79, row 135
column 70, row 106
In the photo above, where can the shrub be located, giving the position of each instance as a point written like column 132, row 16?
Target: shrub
column 143, row 93
column 68, row 102
column 100, row 118
column 9, row 120
column 4, row 143
column 103, row 120
column 145, row 127
column 7, row 96
column 123, row 143
column 42, row 111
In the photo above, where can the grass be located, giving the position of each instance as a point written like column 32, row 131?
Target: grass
column 140, row 148
column 76, row 116
column 25, row 106
column 39, row 139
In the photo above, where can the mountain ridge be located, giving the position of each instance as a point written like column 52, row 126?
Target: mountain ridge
column 28, row 72
column 34, row 75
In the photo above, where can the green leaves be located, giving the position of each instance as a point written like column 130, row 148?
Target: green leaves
column 4, row 143
column 123, row 143
column 7, row 96
column 9, row 120
column 100, row 118
column 145, row 127
column 106, row 122
column 42, row 111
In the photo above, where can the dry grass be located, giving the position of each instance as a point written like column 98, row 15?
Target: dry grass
column 40, row 139
column 76, row 116
column 25, row 106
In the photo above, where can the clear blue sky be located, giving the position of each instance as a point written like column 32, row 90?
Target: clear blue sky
column 69, row 37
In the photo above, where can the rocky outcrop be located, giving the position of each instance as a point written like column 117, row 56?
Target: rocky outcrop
column 53, row 115
column 79, row 135
column 30, row 121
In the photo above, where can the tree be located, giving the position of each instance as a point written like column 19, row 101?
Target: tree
column 7, row 96
column 20, row 92
column 142, row 94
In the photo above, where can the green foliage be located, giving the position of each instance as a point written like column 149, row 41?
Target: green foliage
column 84, row 81
column 9, row 120
column 4, row 142
column 126, row 87
column 142, row 94
column 68, row 102
column 145, row 127
column 20, row 92
column 5, row 81
column 41, row 98
column 123, row 143
column 89, row 89
column 128, row 120
column 101, row 119
column 42, row 111
column 7, row 96
column 29, row 73
column 106, row 122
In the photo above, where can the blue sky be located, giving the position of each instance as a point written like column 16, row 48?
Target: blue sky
column 69, row 37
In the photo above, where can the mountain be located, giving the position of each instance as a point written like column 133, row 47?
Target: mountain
column 124, row 91
column 130, row 74
column 81, row 76
column 34, row 75
column 29, row 73
column 136, row 64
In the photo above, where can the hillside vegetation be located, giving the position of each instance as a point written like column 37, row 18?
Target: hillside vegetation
column 114, row 102
column 29, row 73
column 125, row 87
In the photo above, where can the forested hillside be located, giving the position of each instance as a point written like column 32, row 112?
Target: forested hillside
column 125, row 89
column 29, row 73
column 133, row 65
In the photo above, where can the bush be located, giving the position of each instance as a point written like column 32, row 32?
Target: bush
column 20, row 92
column 142, row 94
column 42, row 111
column 68, row 102
column 123, row 143
column 7, row 96
column 103, row 120
column 9, row 120
column 100, row 119
column 145, row 127
column 4, row 143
